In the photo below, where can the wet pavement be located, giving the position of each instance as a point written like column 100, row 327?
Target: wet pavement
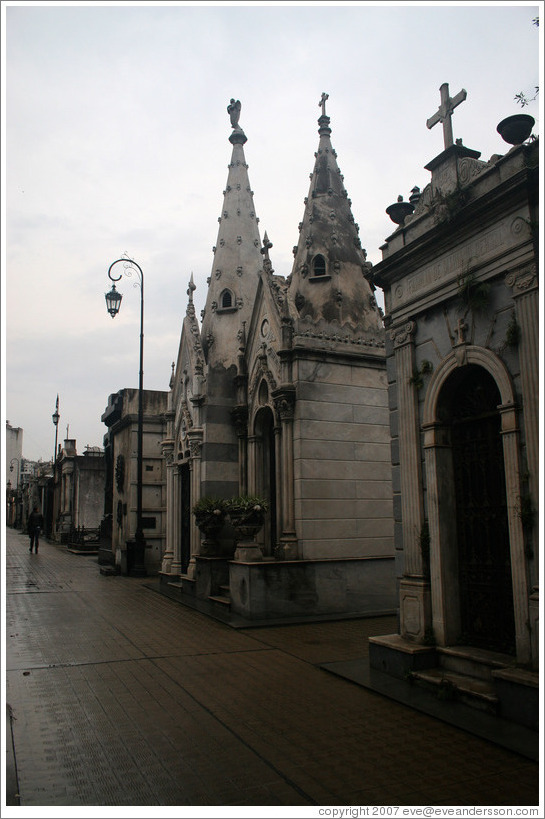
column 119, row 696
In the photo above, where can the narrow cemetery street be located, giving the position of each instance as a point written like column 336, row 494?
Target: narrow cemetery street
column 119, row 696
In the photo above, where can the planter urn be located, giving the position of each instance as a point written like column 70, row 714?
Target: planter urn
column 516, row 129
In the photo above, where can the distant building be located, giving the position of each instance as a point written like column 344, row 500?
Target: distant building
column 120, row 447
column 14, row 455
column 78, row 493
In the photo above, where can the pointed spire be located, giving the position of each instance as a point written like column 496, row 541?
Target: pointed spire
column 327, row 281
column 237, row 258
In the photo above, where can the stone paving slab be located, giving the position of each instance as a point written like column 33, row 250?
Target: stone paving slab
column 123, row 697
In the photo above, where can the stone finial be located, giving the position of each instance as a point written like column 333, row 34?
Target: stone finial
column 191, row 287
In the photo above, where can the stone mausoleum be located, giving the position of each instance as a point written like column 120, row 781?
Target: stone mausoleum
column 281, row 393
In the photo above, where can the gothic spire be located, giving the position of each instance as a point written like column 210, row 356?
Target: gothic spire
column 237, row 258
column 328, row 278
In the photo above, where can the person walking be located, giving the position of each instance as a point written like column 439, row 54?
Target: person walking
column 35, row 525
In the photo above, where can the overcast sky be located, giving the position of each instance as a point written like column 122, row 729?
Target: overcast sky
column 116, row 140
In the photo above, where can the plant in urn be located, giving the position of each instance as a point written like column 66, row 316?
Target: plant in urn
column 247, row 516
column 210, row 514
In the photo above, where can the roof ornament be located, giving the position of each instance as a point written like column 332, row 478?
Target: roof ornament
column 233, row 109
column 444, row 113
column 267, row 244
column 322, row 103
column 192, row 286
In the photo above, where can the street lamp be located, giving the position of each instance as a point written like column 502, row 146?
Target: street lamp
column 113, row 303
column 56, row 419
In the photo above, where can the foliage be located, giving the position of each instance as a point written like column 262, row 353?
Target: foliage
column 417, row 377
column 473, row 293
column 247, row 505
column 521, row 98
column 425, row 546
column 512, row 335
column 445, row 206
column 209, row 505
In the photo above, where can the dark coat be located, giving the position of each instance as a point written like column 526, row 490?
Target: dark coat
column 35, row 519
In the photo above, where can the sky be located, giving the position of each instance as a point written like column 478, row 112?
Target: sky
column 115, row 140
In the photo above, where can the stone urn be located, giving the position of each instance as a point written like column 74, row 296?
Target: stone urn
column 247, row 517
column 210, row 516
column 399, row 211
column 516, row 129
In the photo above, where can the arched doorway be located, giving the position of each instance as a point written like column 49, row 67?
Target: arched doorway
column 266, row 474
column 468, row 407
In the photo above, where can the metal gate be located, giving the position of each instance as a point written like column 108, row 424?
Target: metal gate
column 484, row 564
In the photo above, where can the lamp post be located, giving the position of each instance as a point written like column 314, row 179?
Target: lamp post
column 113, row 303
column 56, row 419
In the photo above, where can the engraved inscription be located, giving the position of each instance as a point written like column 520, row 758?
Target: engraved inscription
column 448, row 267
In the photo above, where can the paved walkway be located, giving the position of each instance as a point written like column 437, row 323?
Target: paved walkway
column 120, row 696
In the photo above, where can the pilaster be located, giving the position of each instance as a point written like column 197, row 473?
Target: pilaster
column 284, row 401
column 195, row 439
column 415, row 601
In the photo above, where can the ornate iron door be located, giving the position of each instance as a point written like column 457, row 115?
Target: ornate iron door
column 486, row 590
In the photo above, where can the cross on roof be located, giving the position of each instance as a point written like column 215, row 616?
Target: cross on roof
column 323, row 99
column 444, row 112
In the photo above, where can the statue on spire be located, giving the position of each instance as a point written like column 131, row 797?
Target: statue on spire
column 233, row 109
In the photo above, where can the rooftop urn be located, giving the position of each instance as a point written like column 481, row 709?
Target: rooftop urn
column 399, row 211
column 516, row 129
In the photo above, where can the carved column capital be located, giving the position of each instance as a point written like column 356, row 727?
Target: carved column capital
column 522, row 281
column 194, row 440
column 403, row 334
column 284, row 402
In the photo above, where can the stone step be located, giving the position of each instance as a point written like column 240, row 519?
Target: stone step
column 448, row 685
column 221, row 600
column 472, row 662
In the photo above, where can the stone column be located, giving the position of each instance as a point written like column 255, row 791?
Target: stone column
column 521, row 592
column 526, row 298
column 167, row 447
column 176, row 565
column 195, row 437
column 251, row 473
column 414, row 589
column 284, row 401
column 240, row 419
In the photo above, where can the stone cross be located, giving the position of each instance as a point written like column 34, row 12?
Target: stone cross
column 322, row 102
column 444, row 112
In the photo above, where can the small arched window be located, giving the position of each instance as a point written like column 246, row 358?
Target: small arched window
column 226, row 299
column 318, row 266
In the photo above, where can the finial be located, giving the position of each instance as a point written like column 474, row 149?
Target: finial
column 191, row 288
